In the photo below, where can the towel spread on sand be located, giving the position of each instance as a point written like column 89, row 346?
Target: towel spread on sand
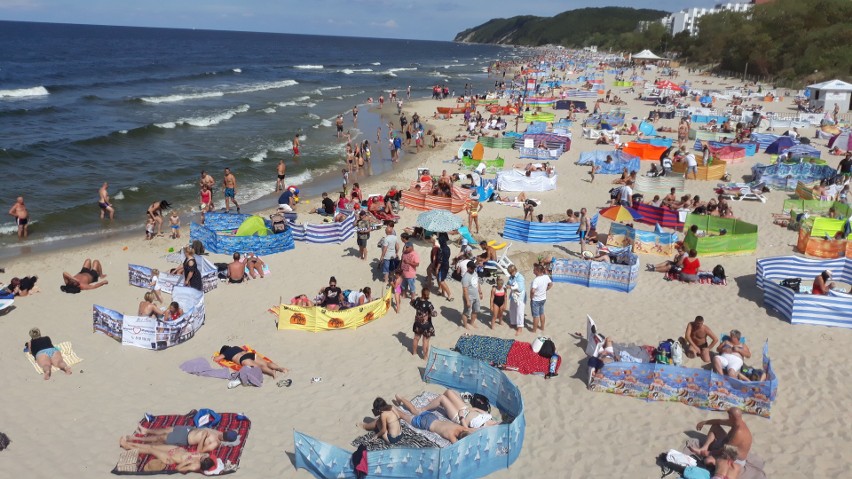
column 68, row 355
column 704, row 277
column 201, row 367
column 516, row 204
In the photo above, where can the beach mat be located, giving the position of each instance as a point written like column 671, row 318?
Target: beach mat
column 68, row 355
column 133, row 463
column 411, row 438
column 493, row 351
column 524, row 360
column 703, row 278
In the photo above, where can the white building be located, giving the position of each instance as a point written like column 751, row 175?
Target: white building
column 831, row 93
column 687, row 20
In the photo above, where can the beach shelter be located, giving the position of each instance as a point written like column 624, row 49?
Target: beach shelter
column 252, row 226
column 466, row 149
column 647, row 129
column 645, row 151
column 647, row 55
column 668, row 85
column 830, row 93
column 780, row 145
column 842, row 140
column 478, row 151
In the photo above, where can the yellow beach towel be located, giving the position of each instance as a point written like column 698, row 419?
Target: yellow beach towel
column 68, row 355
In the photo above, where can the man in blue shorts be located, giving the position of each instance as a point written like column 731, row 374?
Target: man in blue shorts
column 230, row 184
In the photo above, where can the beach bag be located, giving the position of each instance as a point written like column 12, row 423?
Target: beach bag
column 206, row 418
column 359, row 462
column 793, row 283
column 677, row 353
column 664, row 352
column 279, row 223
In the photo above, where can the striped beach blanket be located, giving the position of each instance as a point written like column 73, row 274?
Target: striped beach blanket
column 68, row 355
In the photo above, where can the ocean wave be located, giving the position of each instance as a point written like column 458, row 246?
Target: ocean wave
column 259, row 156
column 133, row 188
column 327, row 88
column 29, row 111
column 204, row 121
column 118, row 196
column 13, row 153
column 390, row 74
column 302, row 98
column 402, row 69
column 313, row 116
column 12, row 228
column 218, row 93
column 24, row 92
column 237, row 70
column 286, row 103
column 376, row 63
column 309, row 67
column 269, row 110
column 349, row 71
column 310, row 104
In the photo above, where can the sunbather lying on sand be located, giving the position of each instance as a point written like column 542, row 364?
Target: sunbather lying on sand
column 167, row 455
column 205, row 439
column 87, row 278
column 457, row 410
column 244, row 358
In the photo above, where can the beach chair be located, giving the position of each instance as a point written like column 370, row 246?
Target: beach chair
column 503, row 262
column 743, row 191
column 591, row 134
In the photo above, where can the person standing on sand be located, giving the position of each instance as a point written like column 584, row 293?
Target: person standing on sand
column 229, row 182
column 538, row 296
column 103, row 201
column 208, row 180
column 282, row 171
column 516, row 306
column 22, row 217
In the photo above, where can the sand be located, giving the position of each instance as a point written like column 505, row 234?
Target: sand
column 71, row 424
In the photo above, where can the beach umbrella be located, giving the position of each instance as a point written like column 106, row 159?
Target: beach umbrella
column 620, row 213
column 668, row 85
column 439, row 221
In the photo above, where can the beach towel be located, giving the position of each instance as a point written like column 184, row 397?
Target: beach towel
column 68, row 355
column 524, row 360
column 411, row 438
column 494, row 351
column 704, row 277
column 200, row 367
column 235, row 366
column 229, row 454
column 516, row 204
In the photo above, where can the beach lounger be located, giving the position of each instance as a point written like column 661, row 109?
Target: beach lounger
column 743, row 191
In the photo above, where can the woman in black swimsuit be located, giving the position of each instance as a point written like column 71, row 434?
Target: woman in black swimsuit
column 498, row 302
column 191, row 275
column 244, row 358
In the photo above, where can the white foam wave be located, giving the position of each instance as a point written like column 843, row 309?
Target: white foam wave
column 184, row 186
column 218, row 93
column 301, row 178
column 325, row 123
column 338, row 98
column 302, row 98
column 259, row 156
column 205, row 121
column 350, row 71
column 286, row 103
column 286, row 147
column 133, row 188
column 402, row 69
column 237, row 70
column 313, row 116
column 123, row 132
column 269, row 110
column 310, row 104
column 336, row 87
column 317, row 92
column 118, row 196
column 309, row 67
column 376, row 63
column 12, row 228
column 390, row 74
column 24, row 92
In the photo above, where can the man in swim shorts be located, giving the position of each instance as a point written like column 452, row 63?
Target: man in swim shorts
column 236, row 270
column 22, row 217
column 296, row 146
column 695, row 339
column 339, row 124
column 230, row 184
column 430, row 421
column 103, row 201
column 87, row 278
column 732, row 353
column 173, row 455
column 205, row 439
column 282, row 171
column 739, row 436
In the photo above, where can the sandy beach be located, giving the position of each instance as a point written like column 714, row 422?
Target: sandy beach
column 71, row 424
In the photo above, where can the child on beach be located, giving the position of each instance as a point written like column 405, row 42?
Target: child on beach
column 149, row 229
column 174, row 221
column 396, row 281
column 594, row 170
column 345, row 181
column 155, row 285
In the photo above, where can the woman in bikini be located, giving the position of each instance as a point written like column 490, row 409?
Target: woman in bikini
column 498, row 302
column 386, row 425
column 242, row 357
column 456, row 409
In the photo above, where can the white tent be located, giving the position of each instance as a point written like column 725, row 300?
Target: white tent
column 646, row 55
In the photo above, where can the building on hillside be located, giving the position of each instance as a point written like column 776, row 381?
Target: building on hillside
column 687, row 19
column 830, row 93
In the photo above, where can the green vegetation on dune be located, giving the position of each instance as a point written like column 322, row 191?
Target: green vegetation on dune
column 571, row 29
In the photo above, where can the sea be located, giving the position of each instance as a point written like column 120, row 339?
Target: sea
column 146, row 109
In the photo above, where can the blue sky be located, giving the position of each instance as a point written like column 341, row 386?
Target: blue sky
column 416, row 19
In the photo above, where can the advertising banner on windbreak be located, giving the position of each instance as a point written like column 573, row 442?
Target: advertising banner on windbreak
column 530, row 84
